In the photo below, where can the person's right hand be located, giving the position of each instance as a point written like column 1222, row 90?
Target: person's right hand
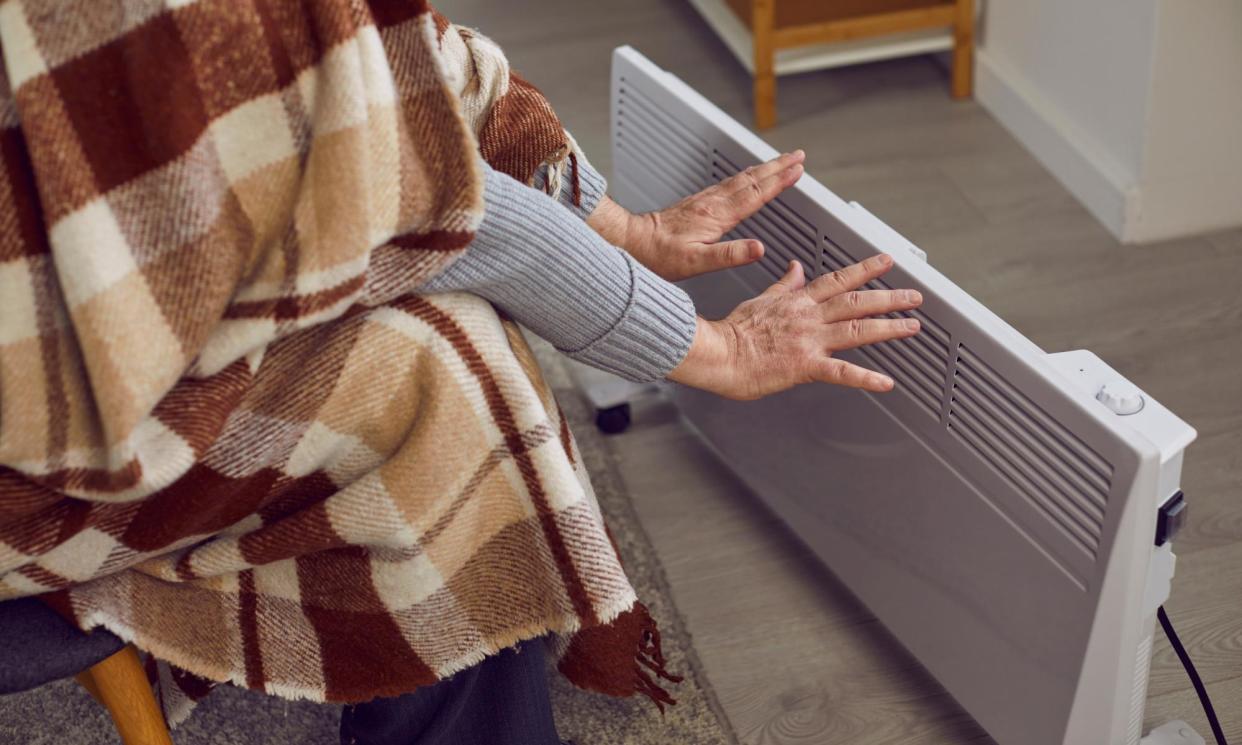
column 787, row 335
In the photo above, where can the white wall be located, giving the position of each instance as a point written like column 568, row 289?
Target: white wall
column 1192, row 163
column 1135, row 105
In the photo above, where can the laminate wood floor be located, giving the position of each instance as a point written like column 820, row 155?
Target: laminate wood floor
column 795, row 658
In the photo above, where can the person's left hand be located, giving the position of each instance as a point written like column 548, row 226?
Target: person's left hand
column 684, row 240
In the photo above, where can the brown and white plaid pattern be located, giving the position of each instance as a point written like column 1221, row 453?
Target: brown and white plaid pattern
column 228, row 430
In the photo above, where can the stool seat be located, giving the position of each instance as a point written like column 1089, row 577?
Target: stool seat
column 38, row 646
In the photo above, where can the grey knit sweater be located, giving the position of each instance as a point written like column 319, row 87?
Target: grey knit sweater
column 539, row 262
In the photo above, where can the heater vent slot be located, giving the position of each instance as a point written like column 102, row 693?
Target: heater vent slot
column 785, row 235
column 665, row 149
column 1059, row 474
column 916, row 364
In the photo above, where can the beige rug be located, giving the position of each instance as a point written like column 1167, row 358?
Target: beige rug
column 62, row 713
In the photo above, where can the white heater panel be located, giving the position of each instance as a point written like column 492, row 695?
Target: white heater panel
column 993, row 514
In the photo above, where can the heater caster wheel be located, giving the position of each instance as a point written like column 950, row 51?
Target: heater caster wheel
column 614, row 420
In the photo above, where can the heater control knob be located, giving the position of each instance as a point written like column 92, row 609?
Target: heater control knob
column 1121, row 398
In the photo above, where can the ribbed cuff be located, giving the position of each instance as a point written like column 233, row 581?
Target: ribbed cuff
column 652, row 336
column 591, row 187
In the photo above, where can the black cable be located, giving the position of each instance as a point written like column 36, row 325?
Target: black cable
column 1195, row 680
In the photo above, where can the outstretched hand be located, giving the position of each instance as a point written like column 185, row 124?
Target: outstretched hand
column 684, row 240
column 787, row 335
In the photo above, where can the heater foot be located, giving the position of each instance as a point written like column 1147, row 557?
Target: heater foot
column 1175, row 732
column 609, row 395
column 613, row 420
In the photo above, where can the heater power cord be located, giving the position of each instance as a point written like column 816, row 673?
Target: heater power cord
column 1195, row 680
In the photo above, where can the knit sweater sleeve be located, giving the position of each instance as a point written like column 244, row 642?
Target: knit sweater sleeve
column 543, row 266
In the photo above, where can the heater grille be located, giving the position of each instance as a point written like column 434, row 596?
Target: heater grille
column 666, row 150
column 916, row 364
column 785, row 235
column 1042, row 460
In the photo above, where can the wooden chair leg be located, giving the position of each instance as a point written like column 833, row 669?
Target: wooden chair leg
column 763, row 18
column 87, row 681
column 120, row 684
column 963, row 49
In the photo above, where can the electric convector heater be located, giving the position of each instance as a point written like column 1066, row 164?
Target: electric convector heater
column 998, row 511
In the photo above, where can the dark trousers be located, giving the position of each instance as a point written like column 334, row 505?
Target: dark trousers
column 501, row 701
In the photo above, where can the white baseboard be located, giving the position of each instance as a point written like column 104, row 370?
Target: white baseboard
column 1196, row 204
column 1100, row 185
column 1134, row 210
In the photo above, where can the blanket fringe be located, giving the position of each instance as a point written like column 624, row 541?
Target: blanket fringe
column 596, row 653
column 560, row 165
column 573, row 164
column 651, row 655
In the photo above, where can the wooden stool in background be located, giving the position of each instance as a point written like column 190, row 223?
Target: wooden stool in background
column 776, row 25
column 120, row 684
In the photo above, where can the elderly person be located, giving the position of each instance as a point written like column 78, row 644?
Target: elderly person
column 264, row 412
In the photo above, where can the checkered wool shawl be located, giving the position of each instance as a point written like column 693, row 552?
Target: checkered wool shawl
column 229, row 431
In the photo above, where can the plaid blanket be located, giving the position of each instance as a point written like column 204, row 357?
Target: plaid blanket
column 229, row 431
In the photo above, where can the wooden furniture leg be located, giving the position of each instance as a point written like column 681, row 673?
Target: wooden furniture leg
column 120, row 684
column 963, row 49
column 87, row 681
column 763, row 21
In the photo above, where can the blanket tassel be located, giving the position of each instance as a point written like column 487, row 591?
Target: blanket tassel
column 621, row 658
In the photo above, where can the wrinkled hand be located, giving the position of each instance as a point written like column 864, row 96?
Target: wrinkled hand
column 787, row 335
column 684, row 240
